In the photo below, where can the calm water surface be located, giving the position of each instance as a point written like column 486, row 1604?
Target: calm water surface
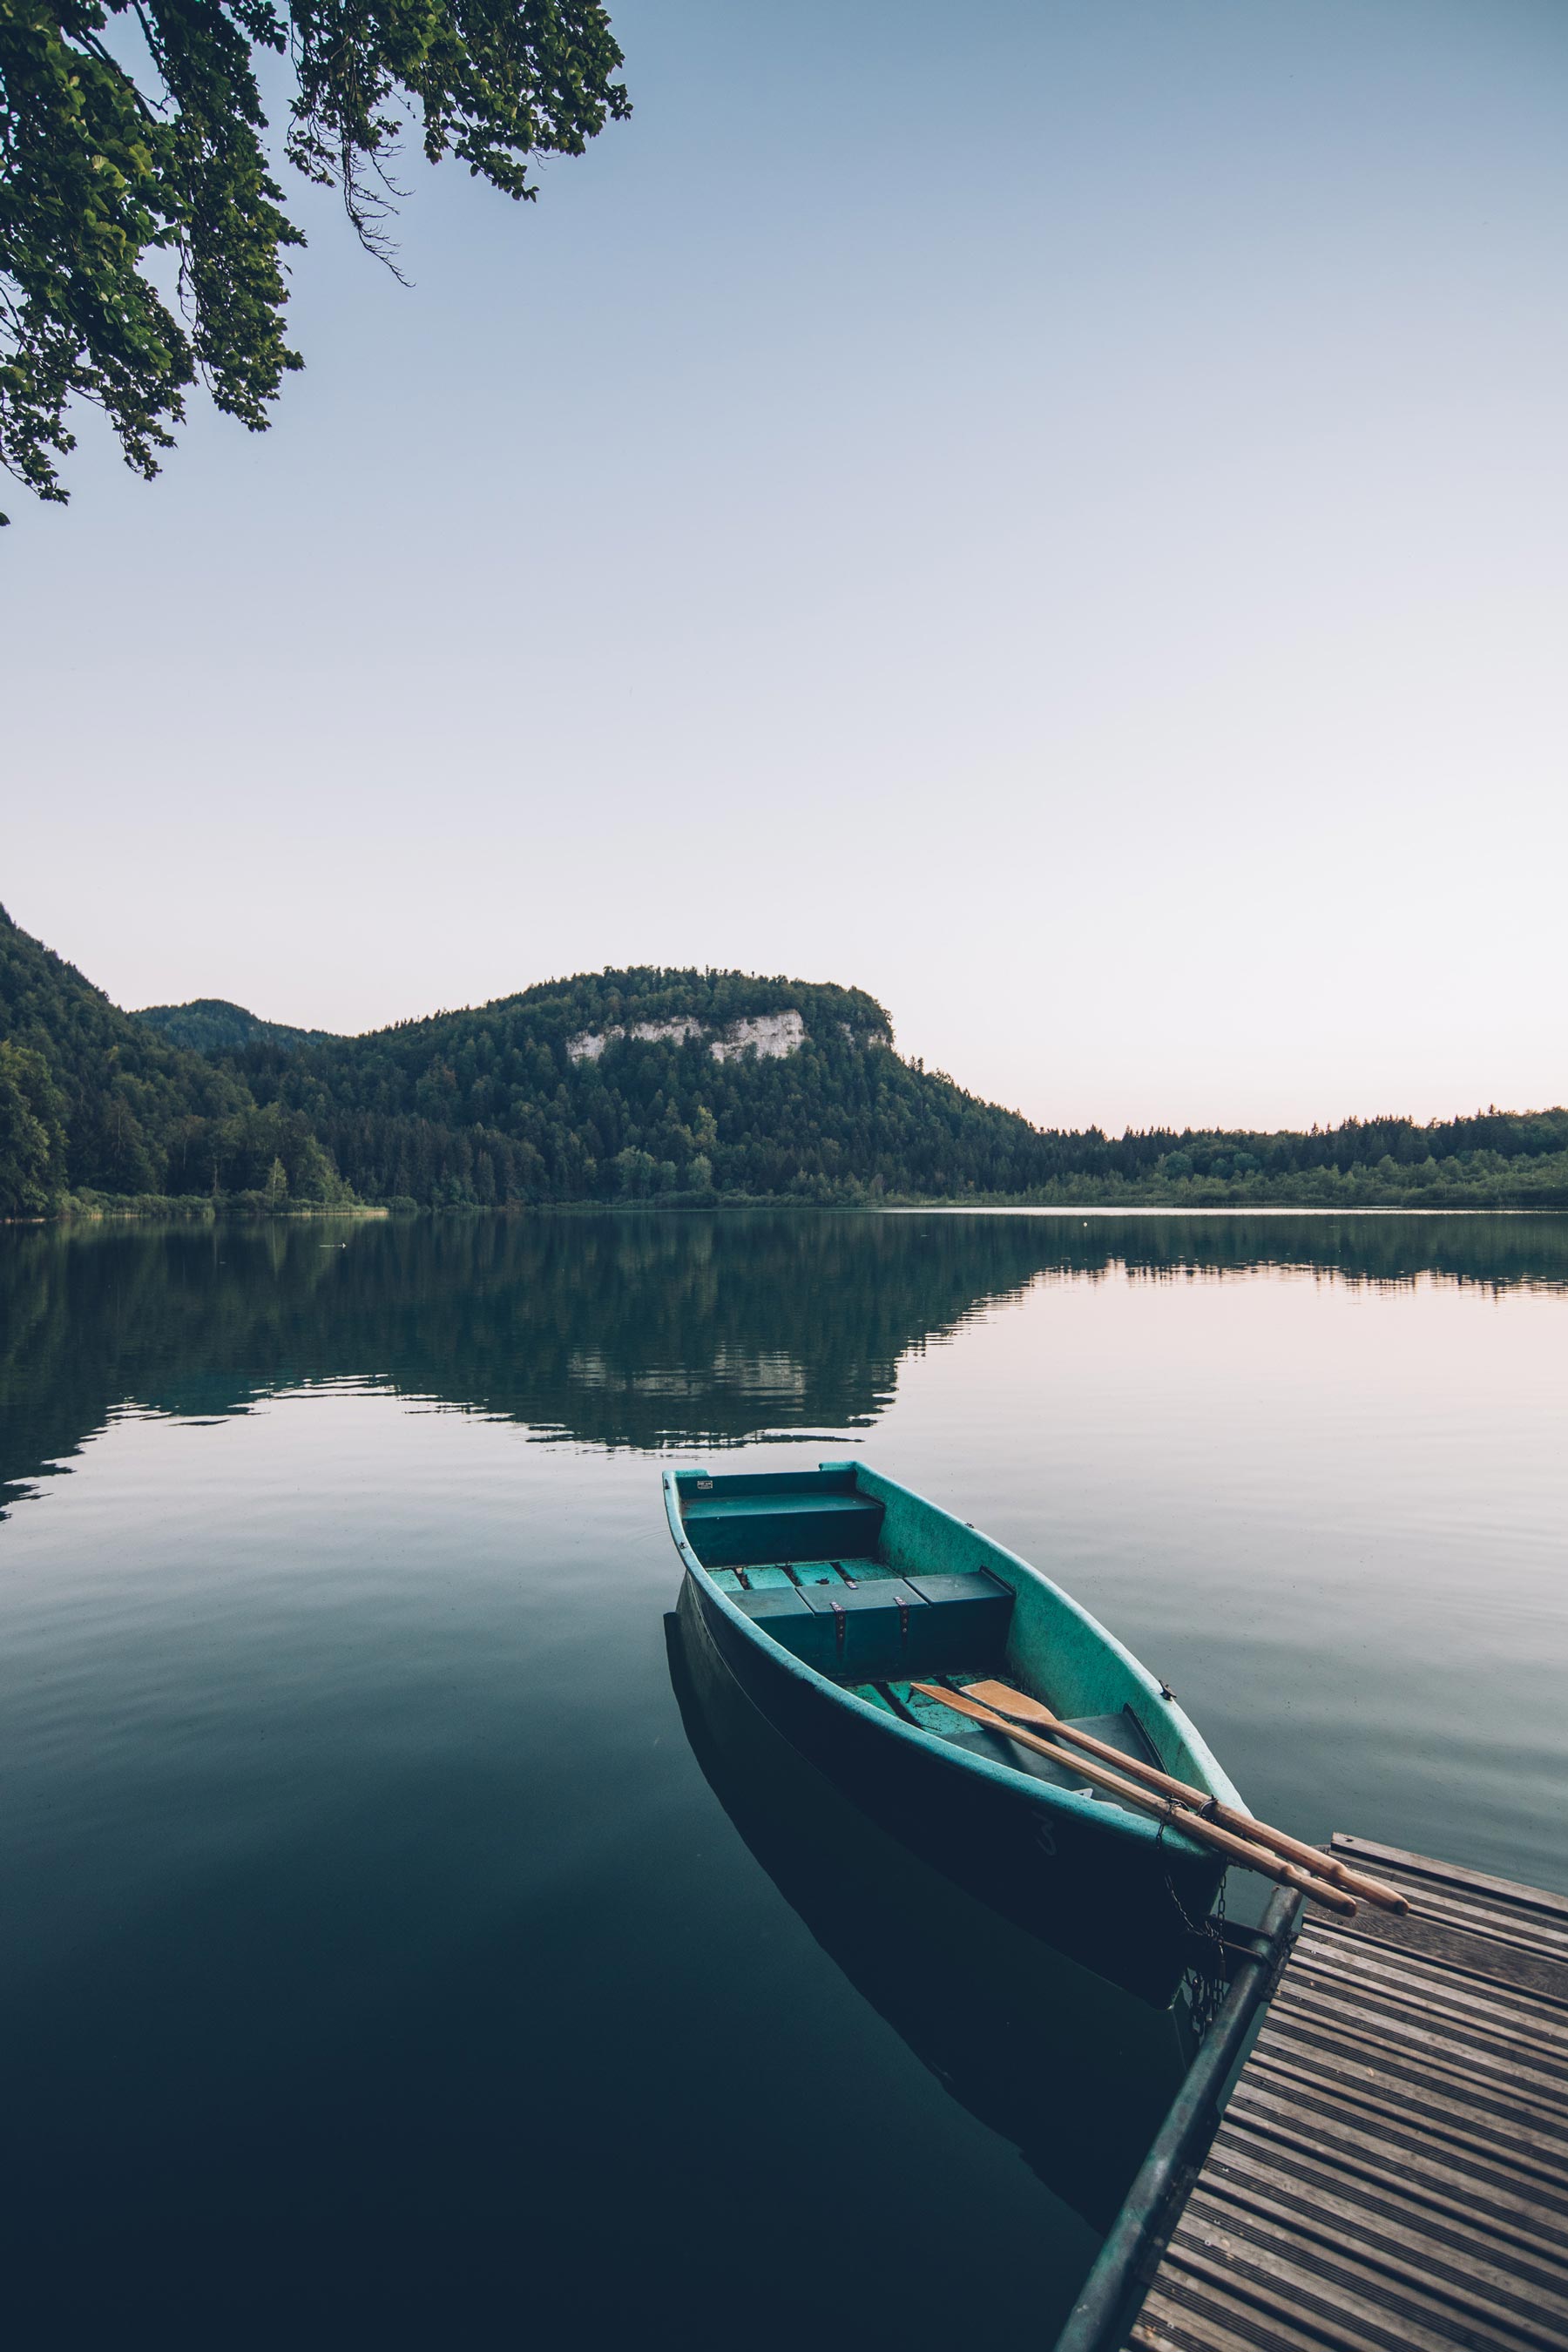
column 392, row 1954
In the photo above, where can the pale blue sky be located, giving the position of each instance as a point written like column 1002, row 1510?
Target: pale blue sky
column 1055, row 514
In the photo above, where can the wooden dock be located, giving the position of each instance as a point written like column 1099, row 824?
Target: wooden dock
column 1390, row 2167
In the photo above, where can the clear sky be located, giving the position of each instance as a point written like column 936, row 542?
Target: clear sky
column 1056, row 513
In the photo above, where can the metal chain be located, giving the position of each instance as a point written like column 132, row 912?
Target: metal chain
column 1206, row 1984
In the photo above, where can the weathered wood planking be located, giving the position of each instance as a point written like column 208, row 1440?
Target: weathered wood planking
column 1391, row 2171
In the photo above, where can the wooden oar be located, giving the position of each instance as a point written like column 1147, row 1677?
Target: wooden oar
column 1190, row 1825
column 1009, row 1702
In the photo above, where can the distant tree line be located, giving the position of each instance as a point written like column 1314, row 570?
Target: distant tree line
column 491, row 1106
column 550, row 1098
column 1491, row 1159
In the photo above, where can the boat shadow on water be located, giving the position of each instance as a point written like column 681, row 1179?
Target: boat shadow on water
column 1075, row 2072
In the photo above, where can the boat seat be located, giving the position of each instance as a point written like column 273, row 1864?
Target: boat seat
column 970, row 1613
column 734, row 1530
column 780, row 1608
column 860, row 1631
column 886, row 1626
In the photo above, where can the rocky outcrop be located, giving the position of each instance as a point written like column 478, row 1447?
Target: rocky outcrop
column 770, row 1036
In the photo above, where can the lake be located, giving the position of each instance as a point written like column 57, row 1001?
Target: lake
column 394, row 1954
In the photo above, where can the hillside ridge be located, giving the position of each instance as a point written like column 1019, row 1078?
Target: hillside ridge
column 646, row 1084
column 213, row 1026
column 95, row 1103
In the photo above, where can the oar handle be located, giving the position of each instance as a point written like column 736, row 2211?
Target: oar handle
column 1321, row 1866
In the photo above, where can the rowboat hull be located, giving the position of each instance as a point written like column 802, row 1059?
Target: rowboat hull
column 1112, row 1889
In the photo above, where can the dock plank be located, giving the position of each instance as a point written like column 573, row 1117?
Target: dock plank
column 1506, row 2187
column 1415, row 2208
column 1391, row 2167
column 1458, row 2270
column 1456, row 2073
column 1503, row 2024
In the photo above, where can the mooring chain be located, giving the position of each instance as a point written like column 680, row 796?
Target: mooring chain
column 1207, row 1986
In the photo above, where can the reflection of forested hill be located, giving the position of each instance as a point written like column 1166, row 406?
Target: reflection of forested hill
column 1500, row 1253
column 616, row 1329
column 635, row 1330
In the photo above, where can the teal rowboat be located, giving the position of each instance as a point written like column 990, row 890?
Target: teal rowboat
column 827, row 1594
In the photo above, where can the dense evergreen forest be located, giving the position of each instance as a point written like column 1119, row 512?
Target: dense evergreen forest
column 95, row 1104
column 750, row 1088
column 640, row 1086
column 211, row 1026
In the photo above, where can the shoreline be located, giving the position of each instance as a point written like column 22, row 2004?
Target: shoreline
column 166, row 1212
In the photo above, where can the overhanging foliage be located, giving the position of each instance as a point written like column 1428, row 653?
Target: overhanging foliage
column 134, row 129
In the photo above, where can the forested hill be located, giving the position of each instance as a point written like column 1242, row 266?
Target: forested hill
column 651, row 1083
column 94, row 1102
column 643, row 1085
column 211, row 1026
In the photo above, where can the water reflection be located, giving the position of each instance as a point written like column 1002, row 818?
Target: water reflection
column 619, row 1331
column 1076, row 2073
column 387, row 1967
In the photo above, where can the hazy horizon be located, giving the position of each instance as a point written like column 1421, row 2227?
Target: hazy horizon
column 1058, row 518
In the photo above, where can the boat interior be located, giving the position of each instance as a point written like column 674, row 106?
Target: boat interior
column 813, row 1570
